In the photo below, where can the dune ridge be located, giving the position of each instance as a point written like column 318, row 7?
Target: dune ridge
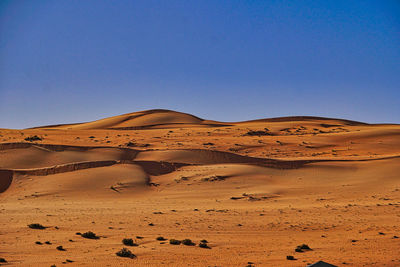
column 136, row 120
column 162, row 118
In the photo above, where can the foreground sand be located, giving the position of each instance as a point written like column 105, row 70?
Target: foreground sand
column 255, row 196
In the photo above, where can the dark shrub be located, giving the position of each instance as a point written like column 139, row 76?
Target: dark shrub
column 188, row 242
column 160, row 238
column 214, row 178
column 203, row 245
column 60, row 248
column 208, row 144
column 129, row 242
column 133, row 144
column 36, row 226
column 204, row 241
column 3, row 260
column 290, row 258
column 304, row 246
column 126, row 253
column 33, row 138
column 174, row 242
column 258, row 133
column 90, row 235
column 130, row 144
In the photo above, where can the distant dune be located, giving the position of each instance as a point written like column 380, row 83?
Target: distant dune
column 161, row 118
column 156, row 118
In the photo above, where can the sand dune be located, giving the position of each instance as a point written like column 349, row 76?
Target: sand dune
column 160, row 118
column 254, row 189
column 140, row 120
column 37, row 156
column 96, row 181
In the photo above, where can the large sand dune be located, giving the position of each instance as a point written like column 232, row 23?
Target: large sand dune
column 157, row 118
column 161, row 118
column 254, row 189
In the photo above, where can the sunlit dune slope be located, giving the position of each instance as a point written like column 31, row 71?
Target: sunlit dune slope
column 137, row 120
column 96, row 182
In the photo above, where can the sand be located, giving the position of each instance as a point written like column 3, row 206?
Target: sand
column 254, row 190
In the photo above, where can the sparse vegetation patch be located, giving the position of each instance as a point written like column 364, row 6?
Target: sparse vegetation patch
column 90, row 235
column 174, row 242
column 302, row 248
column 214, row 178
column 36, row 226
column 125, row 253
column 203, row 245
column 129, row 242
column 60, row 248
column 33, row 138
column 188, row 242
column 259, row 133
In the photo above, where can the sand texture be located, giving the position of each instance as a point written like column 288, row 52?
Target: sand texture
column 255, row 190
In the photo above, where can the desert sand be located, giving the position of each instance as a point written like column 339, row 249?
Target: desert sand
column 255, row 190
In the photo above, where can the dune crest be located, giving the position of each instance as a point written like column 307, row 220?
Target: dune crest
column 164, row 119
column 156, row 118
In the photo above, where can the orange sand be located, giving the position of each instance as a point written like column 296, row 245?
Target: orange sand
column 332, row 184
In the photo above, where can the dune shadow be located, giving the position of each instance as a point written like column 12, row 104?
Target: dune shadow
column 6, row 177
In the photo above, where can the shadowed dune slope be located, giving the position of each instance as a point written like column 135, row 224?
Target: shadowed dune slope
column 40, row 156
column 202, row 156
column 6, row 177
column 194, row 156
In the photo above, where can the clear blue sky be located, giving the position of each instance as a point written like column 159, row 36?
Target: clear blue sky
column 72, row 61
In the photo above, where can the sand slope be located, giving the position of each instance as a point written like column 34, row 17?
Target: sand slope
column 255, row 190
column 157, row 118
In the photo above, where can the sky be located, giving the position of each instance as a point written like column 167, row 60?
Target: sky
column 71, row 61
